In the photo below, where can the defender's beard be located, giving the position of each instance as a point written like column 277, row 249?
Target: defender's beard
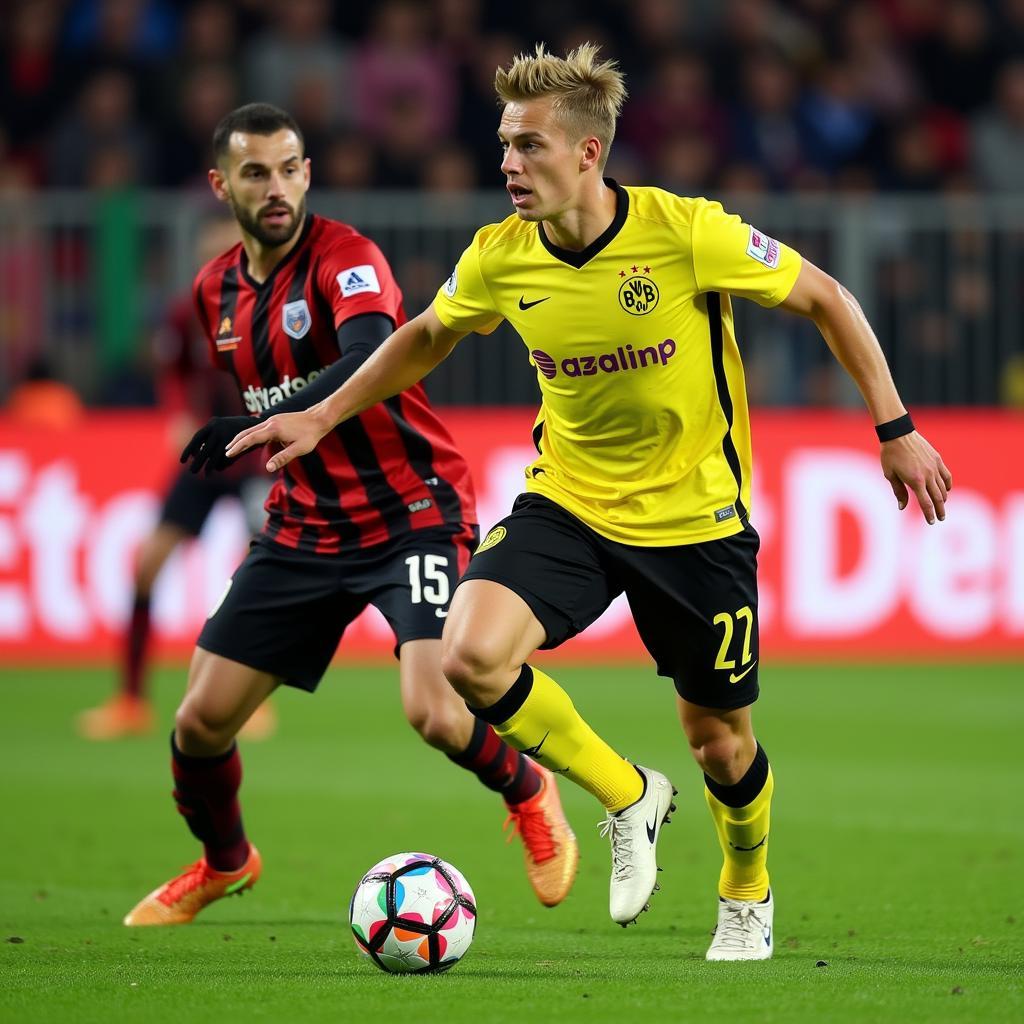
column 270, row 235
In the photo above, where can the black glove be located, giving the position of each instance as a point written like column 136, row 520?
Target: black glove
column 208, row 443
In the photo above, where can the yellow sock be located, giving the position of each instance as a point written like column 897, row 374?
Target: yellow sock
column 743, row 836
column 547, row 726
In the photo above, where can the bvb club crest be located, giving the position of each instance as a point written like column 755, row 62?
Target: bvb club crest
column 638, row 294
column 295, row 319
column 496, row 536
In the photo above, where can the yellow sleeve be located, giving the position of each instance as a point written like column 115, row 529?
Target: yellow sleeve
column 731, row 256
column 463, row 303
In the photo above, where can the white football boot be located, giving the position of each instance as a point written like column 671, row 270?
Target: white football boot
column 633, row 832
column 744, row 930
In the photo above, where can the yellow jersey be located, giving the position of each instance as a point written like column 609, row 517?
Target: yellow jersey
column 643, row 431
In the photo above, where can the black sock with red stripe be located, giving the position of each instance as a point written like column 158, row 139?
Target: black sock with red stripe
column 206, row 791
column 498, row 766
column 136, row 643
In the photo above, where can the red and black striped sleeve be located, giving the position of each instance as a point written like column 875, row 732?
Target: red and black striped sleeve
column 355, row 279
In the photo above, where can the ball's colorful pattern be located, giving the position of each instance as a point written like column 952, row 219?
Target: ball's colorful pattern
column 413, row 913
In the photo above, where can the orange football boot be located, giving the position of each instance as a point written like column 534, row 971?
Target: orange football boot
column 549, row 845
column 180, row 899
column 122, row 715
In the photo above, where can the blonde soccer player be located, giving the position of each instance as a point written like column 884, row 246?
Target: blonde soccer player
column 641, row 484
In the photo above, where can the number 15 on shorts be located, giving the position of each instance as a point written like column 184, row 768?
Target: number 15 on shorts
column 428, row 581
column 738, row 625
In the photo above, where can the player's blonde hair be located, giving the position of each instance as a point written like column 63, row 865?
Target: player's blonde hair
column 588, row 94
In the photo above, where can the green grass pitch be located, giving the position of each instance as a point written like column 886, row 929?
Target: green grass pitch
column 898, row 830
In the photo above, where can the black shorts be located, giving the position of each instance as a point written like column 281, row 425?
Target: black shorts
column 695, row 605
column 284, row 611
column 192, row 497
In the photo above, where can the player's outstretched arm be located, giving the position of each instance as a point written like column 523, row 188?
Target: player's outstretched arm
column 909, row 462
column 411, row 352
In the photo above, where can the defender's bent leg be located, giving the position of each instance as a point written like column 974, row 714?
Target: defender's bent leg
column 220, row 696
column 441, row 717
column 207, row 773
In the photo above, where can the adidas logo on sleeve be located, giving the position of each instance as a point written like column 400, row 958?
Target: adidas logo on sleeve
column 357, row 280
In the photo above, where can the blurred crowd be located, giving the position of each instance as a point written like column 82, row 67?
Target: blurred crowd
column 726, row 97
column 724, row 94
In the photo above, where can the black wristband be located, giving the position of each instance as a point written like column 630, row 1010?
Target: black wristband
column 895, row 428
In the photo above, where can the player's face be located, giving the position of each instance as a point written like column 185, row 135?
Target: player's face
column 265, row 179
column 542, row 167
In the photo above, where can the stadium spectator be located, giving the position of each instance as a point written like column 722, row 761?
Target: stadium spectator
column 675, row 97
column 768, row 129
column 209, row 38
column 121, row 30
column 130, row 36
column 404, row 138
column 884, row 75
column 32, row 83
column 450, row 172
column 958, row 58
column 475, row 97
column 1009, row 29
column 105, row 117
column 349, row 163
column 913, row 159
column 998, row 133
column 206, row 92
column 398, row 70
column 299, row 42
column 685, row 163
column 839, row 123
column 209, row 33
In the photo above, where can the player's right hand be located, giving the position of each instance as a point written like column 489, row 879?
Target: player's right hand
column 298, row 433
column 206, row 449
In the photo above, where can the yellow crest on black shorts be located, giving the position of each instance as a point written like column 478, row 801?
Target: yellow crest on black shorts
column 496, row 536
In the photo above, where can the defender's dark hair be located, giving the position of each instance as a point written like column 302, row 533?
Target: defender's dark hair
column 253, row 119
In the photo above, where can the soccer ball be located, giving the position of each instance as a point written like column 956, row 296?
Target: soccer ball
column 413, row 914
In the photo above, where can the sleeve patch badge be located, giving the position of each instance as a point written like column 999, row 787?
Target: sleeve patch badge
column 763, row 249
column 357, row 280
column 452, row 283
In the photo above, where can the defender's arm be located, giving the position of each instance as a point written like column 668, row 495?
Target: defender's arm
column 411, row 352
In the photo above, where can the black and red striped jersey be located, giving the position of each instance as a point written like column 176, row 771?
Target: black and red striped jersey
column 392, row 469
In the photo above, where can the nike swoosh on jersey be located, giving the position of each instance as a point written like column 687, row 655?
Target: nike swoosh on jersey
column 733, row 678
column 523, row 304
